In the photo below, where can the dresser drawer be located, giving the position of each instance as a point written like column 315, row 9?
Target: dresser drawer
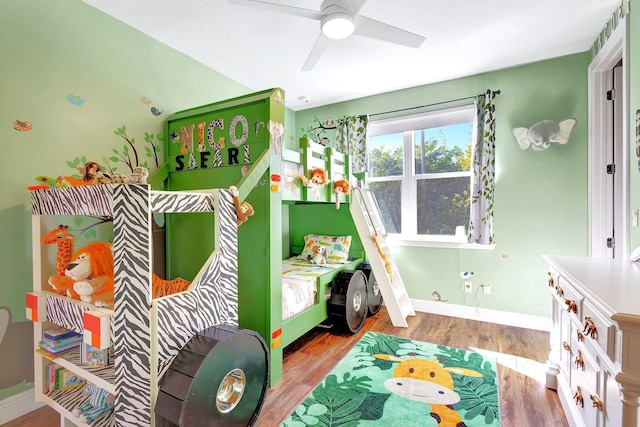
column 584, row 365
column 584, row 383
column 565, row 359
column 587, row 412
column 605, row 331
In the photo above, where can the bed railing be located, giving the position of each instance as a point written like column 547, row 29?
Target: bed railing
column 312, row 156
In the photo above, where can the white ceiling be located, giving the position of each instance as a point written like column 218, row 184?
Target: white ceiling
column 263, row 49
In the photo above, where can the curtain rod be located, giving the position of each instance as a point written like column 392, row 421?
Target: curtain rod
column 495, row 92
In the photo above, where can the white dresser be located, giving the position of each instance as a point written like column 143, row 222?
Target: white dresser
column 594, row 362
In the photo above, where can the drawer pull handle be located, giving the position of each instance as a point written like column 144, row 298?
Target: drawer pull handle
column 579, row 360
column 578, row 397
column 580, row 336
column 590, row 328
column 566, row 346
column 559, row 291
column 550, row 279
column 571, row 306
column 597, row 403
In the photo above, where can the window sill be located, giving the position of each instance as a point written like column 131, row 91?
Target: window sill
column 435, row 242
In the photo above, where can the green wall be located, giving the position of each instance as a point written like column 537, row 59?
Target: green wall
column 49, row 51
column 541, row 197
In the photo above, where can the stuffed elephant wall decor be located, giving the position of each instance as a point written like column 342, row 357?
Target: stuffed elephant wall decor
column 540, row 135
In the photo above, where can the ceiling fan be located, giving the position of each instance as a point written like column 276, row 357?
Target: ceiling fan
column 339, row 19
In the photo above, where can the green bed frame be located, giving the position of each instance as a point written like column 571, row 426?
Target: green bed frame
column 240, row 142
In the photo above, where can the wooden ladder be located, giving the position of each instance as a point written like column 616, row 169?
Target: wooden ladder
column 373, row 232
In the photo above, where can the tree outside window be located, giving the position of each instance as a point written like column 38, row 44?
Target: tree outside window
column 420, row 172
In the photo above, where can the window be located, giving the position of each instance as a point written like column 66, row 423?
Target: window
column 420, row 171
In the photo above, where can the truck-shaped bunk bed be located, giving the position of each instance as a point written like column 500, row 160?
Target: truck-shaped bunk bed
column 240, row 142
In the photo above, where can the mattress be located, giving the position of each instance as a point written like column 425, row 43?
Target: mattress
column 299, row 284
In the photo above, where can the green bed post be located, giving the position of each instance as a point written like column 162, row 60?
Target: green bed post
column 250, row 302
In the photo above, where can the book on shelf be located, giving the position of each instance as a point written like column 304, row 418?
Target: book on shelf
column 51, row 354
column 62, row 342
column 59, row 341
column 66, row 380
column 60, row 347
column 59, row 333
column 92, row 356
column 50, row 377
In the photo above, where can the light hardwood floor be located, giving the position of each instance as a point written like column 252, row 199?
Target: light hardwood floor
column 520, row 353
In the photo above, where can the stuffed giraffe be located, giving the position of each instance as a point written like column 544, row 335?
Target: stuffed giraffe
column 64, row 240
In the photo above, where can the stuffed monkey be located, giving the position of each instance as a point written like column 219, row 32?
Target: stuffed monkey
column 341, row 186
column 244, row 210
column 88, row 172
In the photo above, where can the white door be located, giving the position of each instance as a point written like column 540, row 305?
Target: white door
column 616, row 201
column 608, row 151
column 612, row 165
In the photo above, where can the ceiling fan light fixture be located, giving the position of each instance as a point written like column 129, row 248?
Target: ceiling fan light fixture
column 338, row 25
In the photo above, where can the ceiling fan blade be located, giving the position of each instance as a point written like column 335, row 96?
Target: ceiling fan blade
column 280, row 8
column 316, row 52
column 371, row 28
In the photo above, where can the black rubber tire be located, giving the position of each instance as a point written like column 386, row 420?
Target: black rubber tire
column 219, row 378
column 374, row 297
column 347, row 306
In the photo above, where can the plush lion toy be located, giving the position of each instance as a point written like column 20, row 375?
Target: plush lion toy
column 91, row 270
column 318, row 178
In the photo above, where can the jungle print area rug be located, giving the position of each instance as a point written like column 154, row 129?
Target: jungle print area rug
column 396, row 382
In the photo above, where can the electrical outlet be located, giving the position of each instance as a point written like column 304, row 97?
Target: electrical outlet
column 487, row 288
column 468, row 287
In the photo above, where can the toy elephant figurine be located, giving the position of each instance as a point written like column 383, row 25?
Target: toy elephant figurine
column 98, row 403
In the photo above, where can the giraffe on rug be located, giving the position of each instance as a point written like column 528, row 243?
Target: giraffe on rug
column 60, row 236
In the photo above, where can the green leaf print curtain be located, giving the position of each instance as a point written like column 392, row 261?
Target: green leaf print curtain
column 483, row 182
column 351, row 139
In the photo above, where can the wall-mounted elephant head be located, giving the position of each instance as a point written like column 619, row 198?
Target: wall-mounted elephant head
column 540, row 135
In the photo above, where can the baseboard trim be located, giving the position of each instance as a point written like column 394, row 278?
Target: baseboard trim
column 527, row 321
column 18, row 405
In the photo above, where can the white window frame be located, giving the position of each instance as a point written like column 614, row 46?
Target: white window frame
column 407, row 125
